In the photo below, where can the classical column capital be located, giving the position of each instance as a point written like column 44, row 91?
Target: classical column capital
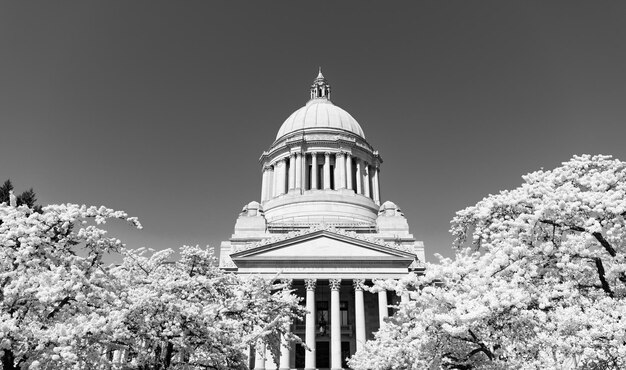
column 327, row 154
column 310, row 284
column 334, row 284
column 268, row 167
column 358, row 284
column 340, row 154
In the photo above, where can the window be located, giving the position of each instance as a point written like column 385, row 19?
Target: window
column 321, row 322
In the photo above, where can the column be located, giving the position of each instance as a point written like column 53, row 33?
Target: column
column 117, row 356
column 359, row 312
column 307, row 175
column 298, row 170
column 264, row 183
column 309, row 356
column 359, row 177
column 270, row 182
column 282, row 175
column 326, row 170
column 274, row 180
column 248, row 357
column 285, row 351
column 335, row 324
column 292, row 171
column 259, row 356
column 366, row 180
column 340, row 164
column 376, row 185
column 382, row 306
column 349, row 171
column 314, row 171
column 270, row 364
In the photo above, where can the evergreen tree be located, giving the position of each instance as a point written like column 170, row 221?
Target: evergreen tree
column 27, row 198
column 4, row 191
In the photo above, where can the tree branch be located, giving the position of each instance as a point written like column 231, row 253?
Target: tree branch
column 605, row 284
column 63, row 302
column 599, row 237
column 609, row 248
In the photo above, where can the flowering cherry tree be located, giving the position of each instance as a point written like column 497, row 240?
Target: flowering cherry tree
column 539, row 281
column 54, row 293
column 61, row 307
column 189, row 313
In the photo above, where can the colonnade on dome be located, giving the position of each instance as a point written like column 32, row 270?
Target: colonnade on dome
column 299, row 172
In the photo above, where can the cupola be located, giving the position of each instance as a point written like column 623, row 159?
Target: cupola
column 320, row 89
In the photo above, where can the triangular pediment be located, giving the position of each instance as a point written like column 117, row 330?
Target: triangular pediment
column 322, row 245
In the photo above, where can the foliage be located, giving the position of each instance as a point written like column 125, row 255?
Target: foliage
column 61, row 307
column 191, row 313
column 53, row 290
column 538, row 281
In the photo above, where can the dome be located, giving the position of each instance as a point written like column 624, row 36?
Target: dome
column 320, row 113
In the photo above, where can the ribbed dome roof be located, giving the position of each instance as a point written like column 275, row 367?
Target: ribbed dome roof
column 320, row 113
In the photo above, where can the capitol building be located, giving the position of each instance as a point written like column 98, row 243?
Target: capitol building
column 322, row 223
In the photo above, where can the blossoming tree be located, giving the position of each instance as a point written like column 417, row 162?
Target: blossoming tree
column 539, row 281
column 61, row 307
column 190, row 313
column 54, row 294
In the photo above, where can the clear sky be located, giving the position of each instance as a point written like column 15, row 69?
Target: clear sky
column 162, row 109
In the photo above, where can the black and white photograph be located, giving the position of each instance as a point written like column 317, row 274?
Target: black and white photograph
column 326, row 185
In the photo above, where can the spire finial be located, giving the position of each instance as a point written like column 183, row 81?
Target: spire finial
column 320, row 87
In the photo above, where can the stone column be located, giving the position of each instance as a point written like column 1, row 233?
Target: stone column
column 314, row 171
column 349, row 171
column 117, row 356
column 359, row 312
column 274, row 180
column 285, row 352
column 359, row 176
column 340, row 162
column 335, row 324
column 281, row 176
column 270, row 182
column 259, row 357
column 269, row 360
column 264, row 185
column 305, row 169
column 309, row 356
column 292, row 171
column 382, row 306
column 327, row 170
column 376, row 185
column 248, row 356
column 299, row 171
column 366, row 180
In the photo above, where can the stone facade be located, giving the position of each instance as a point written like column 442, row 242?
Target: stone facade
column 321, row 224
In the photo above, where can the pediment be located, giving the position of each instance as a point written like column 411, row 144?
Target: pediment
column 322, row 245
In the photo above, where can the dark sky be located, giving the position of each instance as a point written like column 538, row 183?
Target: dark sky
column 162, row 109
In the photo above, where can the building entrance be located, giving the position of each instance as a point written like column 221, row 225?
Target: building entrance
column 322, row 355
